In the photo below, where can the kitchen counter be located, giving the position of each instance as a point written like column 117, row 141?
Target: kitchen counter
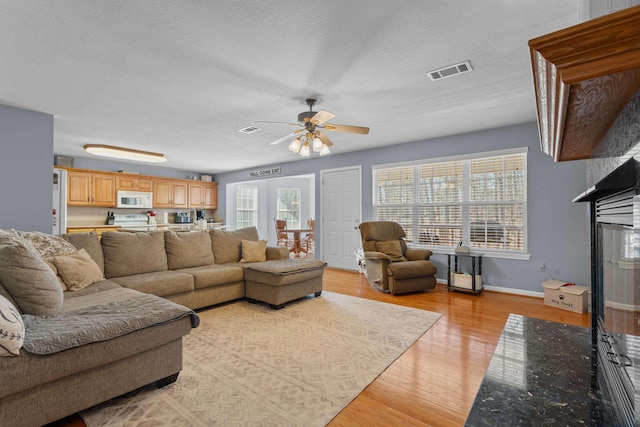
column 172, row 227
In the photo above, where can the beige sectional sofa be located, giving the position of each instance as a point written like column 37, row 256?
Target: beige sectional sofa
column 57, row 373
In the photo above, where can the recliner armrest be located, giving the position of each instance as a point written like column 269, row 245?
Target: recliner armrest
column 416, row 254
column 376, row 255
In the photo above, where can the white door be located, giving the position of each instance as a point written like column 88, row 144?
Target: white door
column 341, row 212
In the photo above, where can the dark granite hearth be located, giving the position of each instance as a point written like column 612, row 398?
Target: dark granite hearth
column 540, row 375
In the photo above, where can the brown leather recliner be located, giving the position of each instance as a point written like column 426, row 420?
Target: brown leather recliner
column 389, row 264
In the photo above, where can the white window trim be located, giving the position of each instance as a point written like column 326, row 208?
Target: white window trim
column 487, row 253
column 238, row 191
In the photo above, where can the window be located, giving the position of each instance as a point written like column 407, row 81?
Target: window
column 289, row 206
column 479, row 200
column 246, row 207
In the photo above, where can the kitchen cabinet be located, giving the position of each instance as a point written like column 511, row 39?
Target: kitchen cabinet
column 203, row 195
column 99, row 230
column 91, row 189
column 170, row 194
column 210, row 194
column 133, row 183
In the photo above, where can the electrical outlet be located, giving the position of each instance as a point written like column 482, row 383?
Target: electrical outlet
column 543, row 267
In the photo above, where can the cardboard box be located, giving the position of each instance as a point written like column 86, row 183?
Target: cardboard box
column 566, row 296
column 461, row 280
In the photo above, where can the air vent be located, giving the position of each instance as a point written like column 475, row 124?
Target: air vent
column 250, row 129
column 452, row 70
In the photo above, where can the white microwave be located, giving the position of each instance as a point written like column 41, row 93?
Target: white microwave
column 134, row 199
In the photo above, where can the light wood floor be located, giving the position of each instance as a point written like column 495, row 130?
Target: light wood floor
column 434, row 383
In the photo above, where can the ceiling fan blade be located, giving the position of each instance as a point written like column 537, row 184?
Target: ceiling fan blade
column 347, row 128
column 324, row 138
column 277, row 123
column 286, row 137
column 322, row 116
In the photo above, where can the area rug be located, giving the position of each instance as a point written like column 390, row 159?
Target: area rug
column 249, row 365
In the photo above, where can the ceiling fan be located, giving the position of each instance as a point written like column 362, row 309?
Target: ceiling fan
column 312, row 129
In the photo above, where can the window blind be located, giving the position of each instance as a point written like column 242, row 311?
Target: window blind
column 479, row 200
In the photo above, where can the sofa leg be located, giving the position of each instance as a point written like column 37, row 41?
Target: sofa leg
column 276, row 307
column 167, row 380
column 317, row 294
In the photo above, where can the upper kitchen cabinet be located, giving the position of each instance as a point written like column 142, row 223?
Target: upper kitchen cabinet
column 203, row 195
column 90, row 189
column 210, row 192
column 169, row 193
column 133, row 183
column 584, row 76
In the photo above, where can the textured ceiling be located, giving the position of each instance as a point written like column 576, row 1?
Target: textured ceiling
column 182, row 77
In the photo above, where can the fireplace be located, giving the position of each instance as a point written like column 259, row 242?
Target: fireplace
column 615, row 276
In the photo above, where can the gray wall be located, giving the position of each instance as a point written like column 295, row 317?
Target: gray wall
column 557, row 229
column 26, row 150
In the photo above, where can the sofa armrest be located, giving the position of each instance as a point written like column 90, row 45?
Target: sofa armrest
column 416, row 254
column 277, row 252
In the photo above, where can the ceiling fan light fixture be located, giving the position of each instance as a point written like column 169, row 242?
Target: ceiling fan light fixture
column 295, row 145
column 124, row 153
column 325, row 150
column 317, row 144
column 305, row 151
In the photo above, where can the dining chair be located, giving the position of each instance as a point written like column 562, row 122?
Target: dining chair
column 310, row 238
column 281, row 233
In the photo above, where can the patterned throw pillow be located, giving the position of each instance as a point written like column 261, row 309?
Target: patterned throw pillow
column 47, row 245
column 11, row 329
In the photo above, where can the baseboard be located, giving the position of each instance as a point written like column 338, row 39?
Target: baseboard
column 504, row 290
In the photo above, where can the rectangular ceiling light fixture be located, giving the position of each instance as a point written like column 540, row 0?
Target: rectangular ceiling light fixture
column 250, row 129
column 124, row 153
column 451, row 70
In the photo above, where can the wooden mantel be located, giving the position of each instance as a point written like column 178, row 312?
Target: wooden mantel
column 584, row 76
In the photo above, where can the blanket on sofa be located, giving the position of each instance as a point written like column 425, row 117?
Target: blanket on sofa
column 54, row 333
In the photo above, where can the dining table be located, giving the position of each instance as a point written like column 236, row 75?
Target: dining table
column 297, row 247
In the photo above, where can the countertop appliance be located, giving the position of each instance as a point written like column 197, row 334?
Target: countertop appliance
column 59, row 218
column 134, row 199
column 181, row 218
column 200, row 215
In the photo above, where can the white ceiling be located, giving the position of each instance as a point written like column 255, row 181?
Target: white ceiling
column 182, row 77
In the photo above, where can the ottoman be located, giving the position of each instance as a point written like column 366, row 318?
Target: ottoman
column 277, row 282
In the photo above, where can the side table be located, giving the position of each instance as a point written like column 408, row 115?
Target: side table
column 473, row 287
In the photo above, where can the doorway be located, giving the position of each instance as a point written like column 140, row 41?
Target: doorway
column 341, row 211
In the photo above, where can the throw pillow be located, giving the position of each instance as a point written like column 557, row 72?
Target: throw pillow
column 47, row 245
column 27, row 278
column 78, row 270
column 11, row 329
column 254, row 251
column 392, row 248
column 52, row 266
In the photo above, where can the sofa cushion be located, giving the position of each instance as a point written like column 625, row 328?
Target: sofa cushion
column 227, row 245
column 11, row 329
column 162, row 283
column 47, row 245
column 186, row 250
column 254, row 251
column 78, row 270
column 127, row 254
column 392, row 248
column 90, row 242
column 214, row 275
column 32, row 285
